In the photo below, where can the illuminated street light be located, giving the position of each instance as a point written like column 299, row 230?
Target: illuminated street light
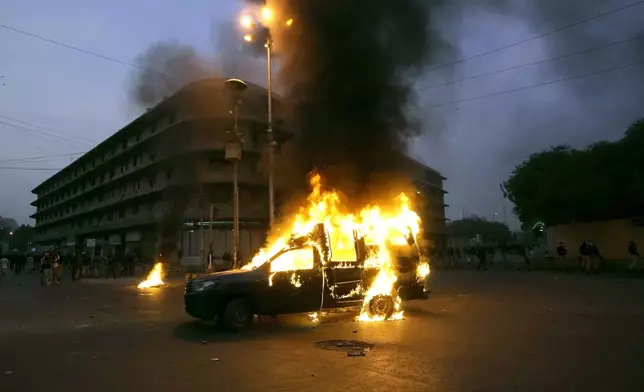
column 289, row 22
column 247, row 21
column 248, row 38
column 267, row 14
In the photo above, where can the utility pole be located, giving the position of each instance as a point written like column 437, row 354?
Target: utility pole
column 210, row 255
column 233, row 153
column 271, row 138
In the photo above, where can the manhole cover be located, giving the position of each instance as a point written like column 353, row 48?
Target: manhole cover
column 343, row 345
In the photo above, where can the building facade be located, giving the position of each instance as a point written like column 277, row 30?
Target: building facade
column 162, row 183
column 165, row 170
column 430, row 201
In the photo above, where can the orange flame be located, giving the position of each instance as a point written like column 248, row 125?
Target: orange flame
column 155, row 277
column 384, row 228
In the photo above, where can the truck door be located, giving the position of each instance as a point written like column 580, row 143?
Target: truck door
column 345, row 281
column 295, row 282
column 345, row 277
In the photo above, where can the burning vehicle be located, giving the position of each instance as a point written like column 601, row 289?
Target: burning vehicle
column 325, row 259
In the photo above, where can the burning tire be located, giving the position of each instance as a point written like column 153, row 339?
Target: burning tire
column 381, row 306
column 237, row 315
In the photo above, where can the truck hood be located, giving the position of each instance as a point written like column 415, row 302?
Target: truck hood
column 226, row 275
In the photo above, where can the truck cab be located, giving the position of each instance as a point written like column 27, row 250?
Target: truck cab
column 302, row 277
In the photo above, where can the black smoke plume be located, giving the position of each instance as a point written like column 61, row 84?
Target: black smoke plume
column 345, row 68
column 164, row 68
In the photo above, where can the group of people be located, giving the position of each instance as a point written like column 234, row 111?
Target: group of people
column 18, row 262
column 590, row 258
column 50, row 265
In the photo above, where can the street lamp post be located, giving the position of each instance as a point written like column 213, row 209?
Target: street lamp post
column 251, row 23
column 233, row 153
column 271, row 139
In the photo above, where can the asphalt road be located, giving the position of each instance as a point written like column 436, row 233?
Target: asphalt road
column 488, row 331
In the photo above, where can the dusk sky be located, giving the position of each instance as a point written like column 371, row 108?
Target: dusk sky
column 81, row 99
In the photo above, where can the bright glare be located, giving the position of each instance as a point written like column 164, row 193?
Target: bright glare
column 246, row 21
column 248, row 38
column 155, row 277
column 289, row 22
column 267, row 14
column 422, row 271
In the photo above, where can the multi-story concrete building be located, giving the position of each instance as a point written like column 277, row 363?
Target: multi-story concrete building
column 431, row 203
column 164, row 170
column 153, row 184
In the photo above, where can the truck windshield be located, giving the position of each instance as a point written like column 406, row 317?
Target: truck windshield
column 292, row 259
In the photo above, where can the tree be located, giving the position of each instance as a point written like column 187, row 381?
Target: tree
column 471, row 227
column 563, row 185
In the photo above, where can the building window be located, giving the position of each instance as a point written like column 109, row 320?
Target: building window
column 152, row 181
column 111, row 173
column 138, row 137
column 135, row 209
column 172, row 117
column 168, row 174
column 122, row 213
column 153, row 157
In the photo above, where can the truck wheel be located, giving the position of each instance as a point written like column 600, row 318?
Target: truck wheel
column 237, row 315
column 382, row 306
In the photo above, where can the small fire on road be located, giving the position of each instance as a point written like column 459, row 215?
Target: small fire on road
column 155, row 277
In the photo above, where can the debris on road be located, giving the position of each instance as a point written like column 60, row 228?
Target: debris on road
column 7, row 372
column 204, row 342
column 356, row 353
column 214, row 359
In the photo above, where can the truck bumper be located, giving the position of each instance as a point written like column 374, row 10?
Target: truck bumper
column 201, row 305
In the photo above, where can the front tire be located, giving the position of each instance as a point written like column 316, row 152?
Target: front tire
column 237, row 315
column 382, row 306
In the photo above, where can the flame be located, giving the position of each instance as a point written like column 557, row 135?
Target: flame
column 385, row 229
column 422, row 271
column 295, row 280
column 155, row 277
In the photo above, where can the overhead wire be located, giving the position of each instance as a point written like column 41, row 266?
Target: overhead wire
column 523, row 41
column 30, row 168
column 40, row 133
column 49, row 130
column 78, row 49
column 549, row 59
column 40, row 158
column 504, row 92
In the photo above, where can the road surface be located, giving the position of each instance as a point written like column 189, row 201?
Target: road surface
column 489, row 331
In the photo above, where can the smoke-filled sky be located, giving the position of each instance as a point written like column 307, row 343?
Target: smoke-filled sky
column 476, row 143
